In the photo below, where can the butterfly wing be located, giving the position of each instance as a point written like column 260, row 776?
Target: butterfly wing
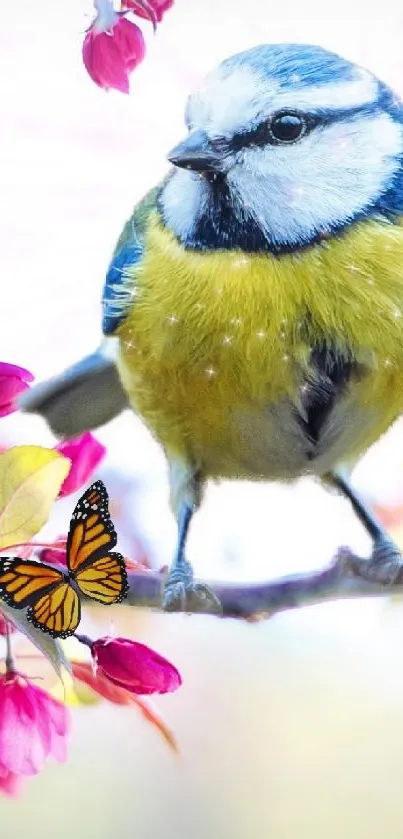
column 23, row 581
column 58, row 612
column 53, row 605
column 91, row 532
column 104, row 579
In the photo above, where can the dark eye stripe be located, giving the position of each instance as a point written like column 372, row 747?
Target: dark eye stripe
column 260, row 135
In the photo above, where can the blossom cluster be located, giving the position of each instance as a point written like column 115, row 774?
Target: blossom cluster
column 114, row 44
column 34, row 724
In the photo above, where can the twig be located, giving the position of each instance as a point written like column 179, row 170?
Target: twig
column 343, row 579
column 346, row 577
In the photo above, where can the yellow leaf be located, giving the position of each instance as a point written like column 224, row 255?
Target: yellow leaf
column 85, row 696
column 30, row 480
column 68, row 693
column 70, row 690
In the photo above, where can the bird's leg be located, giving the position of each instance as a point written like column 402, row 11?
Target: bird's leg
column 385, row 564
column 181, row 592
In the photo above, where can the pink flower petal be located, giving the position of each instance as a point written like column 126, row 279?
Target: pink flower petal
column 103, row 62
column 59, row 720
column 18, row 725
column 10, row 783
column 130, row 42
column 32, row 726
column 85, row 453
column 159, row 7
column 13, row 381
column 110, row 56
column 134, row 666
column 7, row 369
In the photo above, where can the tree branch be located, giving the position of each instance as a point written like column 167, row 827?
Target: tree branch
column 346, row 577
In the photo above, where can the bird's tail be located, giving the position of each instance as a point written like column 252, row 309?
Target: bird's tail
column 82, row 398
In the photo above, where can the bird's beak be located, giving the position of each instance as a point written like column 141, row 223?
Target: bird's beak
column 196, row 153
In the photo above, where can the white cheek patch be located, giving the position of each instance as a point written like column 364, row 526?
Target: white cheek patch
column 230, row 103
column 184, row 199
column 295, row 191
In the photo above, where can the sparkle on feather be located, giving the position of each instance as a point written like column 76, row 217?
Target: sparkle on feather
column 240, row 261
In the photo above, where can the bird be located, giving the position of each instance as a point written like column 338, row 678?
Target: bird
column 253, row 305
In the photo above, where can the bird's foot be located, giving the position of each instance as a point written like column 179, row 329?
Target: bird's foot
column 385, row 565
column 183, row 594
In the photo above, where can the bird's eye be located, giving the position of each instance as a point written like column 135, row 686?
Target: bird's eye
column 287, row 127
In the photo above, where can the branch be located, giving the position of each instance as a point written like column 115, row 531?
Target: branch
column 347, row 576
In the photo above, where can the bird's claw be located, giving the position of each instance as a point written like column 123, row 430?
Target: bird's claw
column 183, row 594
column 385, row 565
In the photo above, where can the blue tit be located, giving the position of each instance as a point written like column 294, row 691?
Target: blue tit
column 255, row 297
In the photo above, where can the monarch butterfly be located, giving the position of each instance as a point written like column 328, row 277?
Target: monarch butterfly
column 52, row 595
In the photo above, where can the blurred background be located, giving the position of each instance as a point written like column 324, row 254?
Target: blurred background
column 291, row 727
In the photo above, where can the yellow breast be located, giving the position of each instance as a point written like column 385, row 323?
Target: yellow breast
column 217, row 336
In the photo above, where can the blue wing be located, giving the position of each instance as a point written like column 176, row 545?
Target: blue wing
column 119, row 289
column 120, row 284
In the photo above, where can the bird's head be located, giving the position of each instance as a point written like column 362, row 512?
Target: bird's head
column 287, row 143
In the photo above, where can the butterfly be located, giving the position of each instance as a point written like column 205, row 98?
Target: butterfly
column 52, row 596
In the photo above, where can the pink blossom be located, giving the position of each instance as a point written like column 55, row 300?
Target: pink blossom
column 113, row 47
column 134, row 666
column 33, row 726
column 85, row 453
column 149, row 9
column 10, row 783
column 13, row 381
